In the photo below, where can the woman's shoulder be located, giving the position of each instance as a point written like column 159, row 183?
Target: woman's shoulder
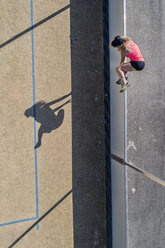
column 129, row 43
column 127, row 48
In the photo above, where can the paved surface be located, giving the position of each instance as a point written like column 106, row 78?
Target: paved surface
column 52, row 99
column 146, row 132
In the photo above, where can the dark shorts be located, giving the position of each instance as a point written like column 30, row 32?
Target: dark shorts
column 138, row 65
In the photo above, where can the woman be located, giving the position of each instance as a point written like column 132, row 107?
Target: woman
column 129, row 49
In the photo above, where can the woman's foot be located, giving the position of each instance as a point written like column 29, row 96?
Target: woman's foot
column 124, row 87
column 118, row 81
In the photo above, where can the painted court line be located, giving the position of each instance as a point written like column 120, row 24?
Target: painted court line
column 17, row 221
column 34, row 101
column 41, row 218
column 34, row 110
column 125, row 135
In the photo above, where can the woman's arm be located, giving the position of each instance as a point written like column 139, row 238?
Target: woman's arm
column 125, row 51
column 122, row 58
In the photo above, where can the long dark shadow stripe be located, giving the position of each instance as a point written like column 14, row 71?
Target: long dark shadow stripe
column 107, row 129
column 143, row 172
column 34, row 26
column 40, row 219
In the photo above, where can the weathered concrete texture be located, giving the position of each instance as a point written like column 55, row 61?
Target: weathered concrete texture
column 146, row 132
column 88, row 123
column 52, row 64
column 146, row 212
column 64, row 65
column 117, row 131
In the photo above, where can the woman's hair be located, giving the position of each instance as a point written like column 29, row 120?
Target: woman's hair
column 126, row 38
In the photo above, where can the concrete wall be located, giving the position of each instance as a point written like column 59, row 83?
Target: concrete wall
column 88, row 123
column 117, row 132
column 51, row 98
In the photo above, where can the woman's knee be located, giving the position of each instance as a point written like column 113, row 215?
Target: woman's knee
column 118, row 68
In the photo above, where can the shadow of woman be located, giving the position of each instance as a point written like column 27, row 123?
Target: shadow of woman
column 43, row 114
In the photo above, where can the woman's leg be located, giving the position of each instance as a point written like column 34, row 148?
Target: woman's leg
column 122, row 69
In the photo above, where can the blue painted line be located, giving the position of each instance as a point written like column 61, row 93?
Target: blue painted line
column 18, row 221
column 34, row 110
column 34, row 101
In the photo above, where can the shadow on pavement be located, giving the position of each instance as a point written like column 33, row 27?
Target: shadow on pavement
column 40, row 219
column 46, row 116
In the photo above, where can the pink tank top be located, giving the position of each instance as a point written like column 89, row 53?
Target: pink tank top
column 135, row 54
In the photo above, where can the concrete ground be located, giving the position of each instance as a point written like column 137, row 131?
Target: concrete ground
column 52, row 124
column 146, row 132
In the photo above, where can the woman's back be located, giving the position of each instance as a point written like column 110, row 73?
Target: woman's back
column 135, row 54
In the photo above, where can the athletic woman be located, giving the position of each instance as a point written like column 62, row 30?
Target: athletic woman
column 129, row 49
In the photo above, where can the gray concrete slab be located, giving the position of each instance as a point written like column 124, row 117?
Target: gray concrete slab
column 146, row 212
column 145, row 123
column 146, row 132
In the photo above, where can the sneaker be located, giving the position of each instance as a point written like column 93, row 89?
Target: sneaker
column 119, row 81
column 124, row 87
